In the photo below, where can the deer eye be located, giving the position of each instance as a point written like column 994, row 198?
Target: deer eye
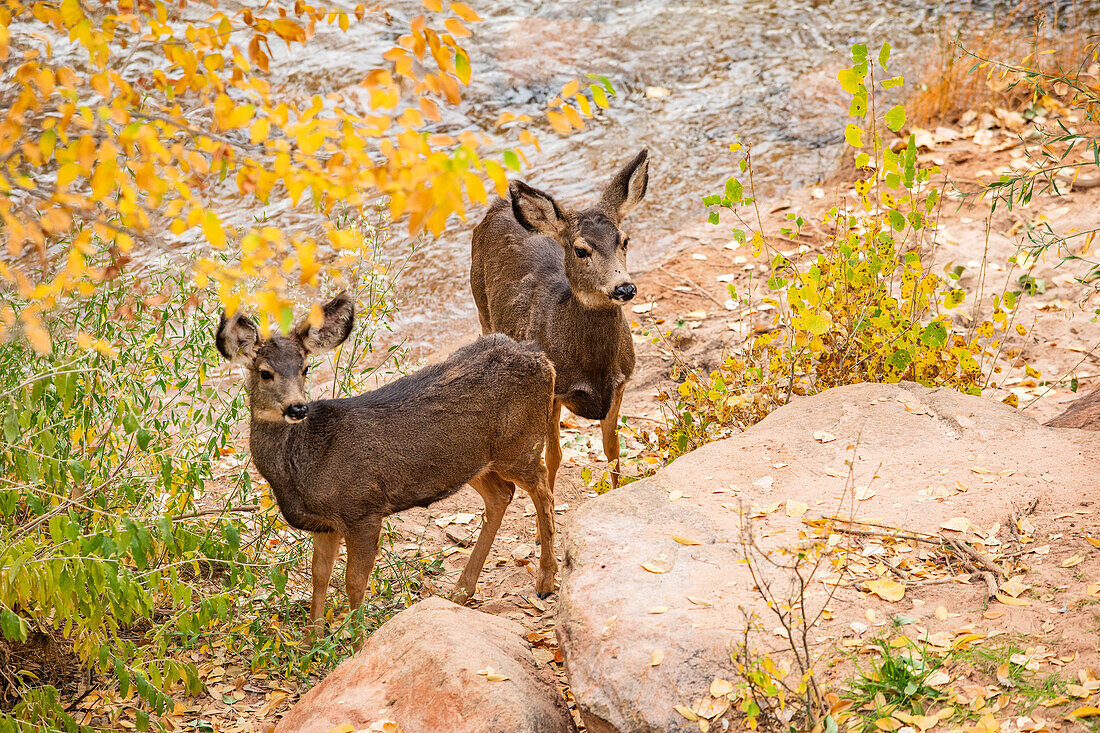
column 626, row 242
column 581, row 253
column 305, row 370
column 266, row 375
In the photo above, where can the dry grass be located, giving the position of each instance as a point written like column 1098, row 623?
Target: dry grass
column 1051, row 37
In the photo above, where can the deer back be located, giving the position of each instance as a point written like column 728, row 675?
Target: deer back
column 412, row 442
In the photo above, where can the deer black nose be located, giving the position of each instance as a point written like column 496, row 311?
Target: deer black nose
column 297, row 411
column 624, row 292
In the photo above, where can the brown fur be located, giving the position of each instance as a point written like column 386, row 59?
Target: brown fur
column 546, row 274
column 479, row 417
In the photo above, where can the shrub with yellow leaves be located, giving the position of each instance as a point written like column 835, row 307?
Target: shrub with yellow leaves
column 147, row 124
column 864, row 307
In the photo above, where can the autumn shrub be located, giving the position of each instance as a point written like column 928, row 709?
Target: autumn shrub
column 861, row 305
column 130, row 529
column 953, row 80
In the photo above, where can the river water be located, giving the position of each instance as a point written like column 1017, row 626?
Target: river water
column 690, row 77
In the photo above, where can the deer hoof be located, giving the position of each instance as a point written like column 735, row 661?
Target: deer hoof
column 544, row 596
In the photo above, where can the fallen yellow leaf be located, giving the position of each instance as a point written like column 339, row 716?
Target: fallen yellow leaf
column 1014, row 586
column 1092, row 541
column 657, row 657
column 956, row 524
column 1069, row 562
column 720, row 687
column 685, row 711
column 1086, row 711
column 795, row 508
column 655, row 566
column 886, row 589
column 492, row 675
column 685, row 540
column 1011, row 601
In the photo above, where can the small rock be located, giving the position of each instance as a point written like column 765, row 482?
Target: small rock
column 461, row 536
column 681, row 337
column 437, row 667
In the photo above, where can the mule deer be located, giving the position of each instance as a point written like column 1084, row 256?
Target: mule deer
column 339, row 467
column 543, row 273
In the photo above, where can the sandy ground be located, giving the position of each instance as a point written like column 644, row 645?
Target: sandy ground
column 688, row 292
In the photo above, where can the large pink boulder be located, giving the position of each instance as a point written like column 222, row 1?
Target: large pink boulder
column 655, row 592
column 436, row 667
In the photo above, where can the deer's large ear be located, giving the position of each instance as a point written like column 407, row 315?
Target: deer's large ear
column 627, row 188
column 237, row 338
column 536, row 211
column 337, row 319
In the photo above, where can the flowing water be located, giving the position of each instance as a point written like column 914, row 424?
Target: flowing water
column 690, row 77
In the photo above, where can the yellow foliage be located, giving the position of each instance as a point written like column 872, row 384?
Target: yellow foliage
column 189, row 141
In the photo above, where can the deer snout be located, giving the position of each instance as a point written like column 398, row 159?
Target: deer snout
column 296, row 412
column 624, row 292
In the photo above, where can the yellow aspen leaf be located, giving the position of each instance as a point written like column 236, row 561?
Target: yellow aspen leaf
column 240, row 116
column 656, row 657
column 575, row 119
column 39, row 337
column 570, row 89
column 559, row 122
column 599, row 96
column 454, row 25
column 429, row 109
column 462, row 10
column 585, row 107
column 495, row 171
column 411, row 118
column 5, row 38
column 433, row 5
column 289, row 30
column 475, row 188
column 212, row 228
column 685, row 540
column 685, row 711
column 1010, row 601
column 71, row 12
column 1086, row 711
column 343, row 21
column 1092, row 541
column 259, row 130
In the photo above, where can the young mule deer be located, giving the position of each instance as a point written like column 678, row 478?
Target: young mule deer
column 339, row 467
column 543, row 273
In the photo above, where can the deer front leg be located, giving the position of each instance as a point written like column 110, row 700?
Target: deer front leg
column 497, row 494
column 544, row 518
column 362, row 543
column 610, row 427
column 553, row 445
column 326, row 546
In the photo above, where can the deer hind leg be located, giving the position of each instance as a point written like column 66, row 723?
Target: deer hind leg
column 542, row 496
column 553, row 445
column 497, row 494
column 326, row 546
column 362, row 542
column 610, row 427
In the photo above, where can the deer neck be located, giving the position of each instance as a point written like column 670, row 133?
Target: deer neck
column 277, row 454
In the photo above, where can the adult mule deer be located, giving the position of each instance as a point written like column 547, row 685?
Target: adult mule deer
column 339, row 467
column 556, row 276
